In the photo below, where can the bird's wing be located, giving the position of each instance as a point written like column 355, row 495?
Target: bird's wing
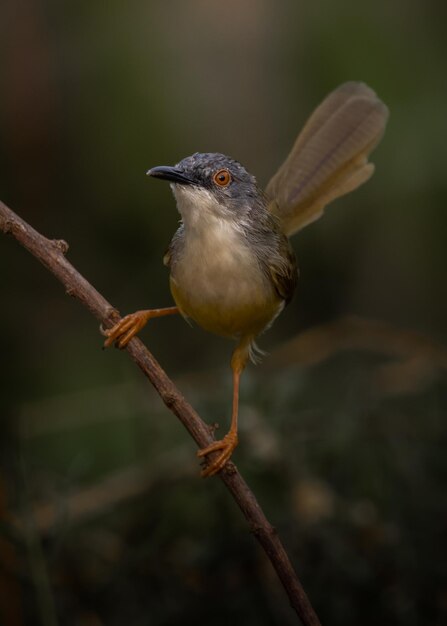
column 330, row 156
column 282, row 269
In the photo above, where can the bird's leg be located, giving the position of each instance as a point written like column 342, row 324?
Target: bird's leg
column 230, row 441
column 131, row 324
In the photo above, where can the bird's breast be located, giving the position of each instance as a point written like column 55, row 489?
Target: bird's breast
column 217, row 281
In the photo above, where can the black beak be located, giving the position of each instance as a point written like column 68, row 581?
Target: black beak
column 165, row 172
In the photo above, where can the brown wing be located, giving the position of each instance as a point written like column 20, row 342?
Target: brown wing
column 330, row 156
column 283, row 270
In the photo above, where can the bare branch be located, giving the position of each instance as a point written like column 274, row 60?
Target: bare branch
column 51, row 254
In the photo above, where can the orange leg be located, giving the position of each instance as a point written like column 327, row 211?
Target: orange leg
column 131, row 324
column 230, row 441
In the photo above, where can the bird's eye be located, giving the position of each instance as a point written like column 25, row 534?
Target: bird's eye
column 222, row 178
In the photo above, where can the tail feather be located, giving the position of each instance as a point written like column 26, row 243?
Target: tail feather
column 330, row 156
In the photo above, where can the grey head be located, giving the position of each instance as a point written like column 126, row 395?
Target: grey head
column 212, row 184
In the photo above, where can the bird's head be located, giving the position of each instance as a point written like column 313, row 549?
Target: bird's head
column 209, row 185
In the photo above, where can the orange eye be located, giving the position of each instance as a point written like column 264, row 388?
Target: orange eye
column 222, row 178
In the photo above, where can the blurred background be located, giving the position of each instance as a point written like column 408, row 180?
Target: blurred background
column 103, row 519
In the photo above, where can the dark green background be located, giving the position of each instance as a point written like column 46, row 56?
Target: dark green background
column 342, row 435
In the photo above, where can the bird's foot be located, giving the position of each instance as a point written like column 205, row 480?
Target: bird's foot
column 129, row 326
column 227, row 445
column 126, row 328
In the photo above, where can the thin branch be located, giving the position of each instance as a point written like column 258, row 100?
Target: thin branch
column 51, row 254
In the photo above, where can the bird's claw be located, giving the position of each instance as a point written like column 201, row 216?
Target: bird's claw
column 125, row 329
column 227, row 445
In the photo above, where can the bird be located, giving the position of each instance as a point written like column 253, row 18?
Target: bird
column 232, row 266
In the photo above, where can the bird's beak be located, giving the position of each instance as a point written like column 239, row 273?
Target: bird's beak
column 173, row 174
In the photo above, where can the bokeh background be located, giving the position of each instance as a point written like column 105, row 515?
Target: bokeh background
column 103, row 519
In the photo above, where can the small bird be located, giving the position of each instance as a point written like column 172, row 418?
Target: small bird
column 232, row 268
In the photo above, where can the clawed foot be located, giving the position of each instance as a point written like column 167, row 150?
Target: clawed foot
column 227, row 445
column 130, row 325
column 125, row 329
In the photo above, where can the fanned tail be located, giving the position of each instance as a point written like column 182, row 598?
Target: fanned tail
column 330, row 156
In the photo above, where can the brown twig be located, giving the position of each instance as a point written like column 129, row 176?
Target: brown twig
column 51, row 254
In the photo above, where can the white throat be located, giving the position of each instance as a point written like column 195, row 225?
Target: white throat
column 199, row 207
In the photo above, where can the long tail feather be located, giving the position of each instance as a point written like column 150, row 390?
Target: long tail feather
column 330, row 155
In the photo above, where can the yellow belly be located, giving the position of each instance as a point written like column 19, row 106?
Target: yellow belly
column 235, row 312
column 217, row 281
